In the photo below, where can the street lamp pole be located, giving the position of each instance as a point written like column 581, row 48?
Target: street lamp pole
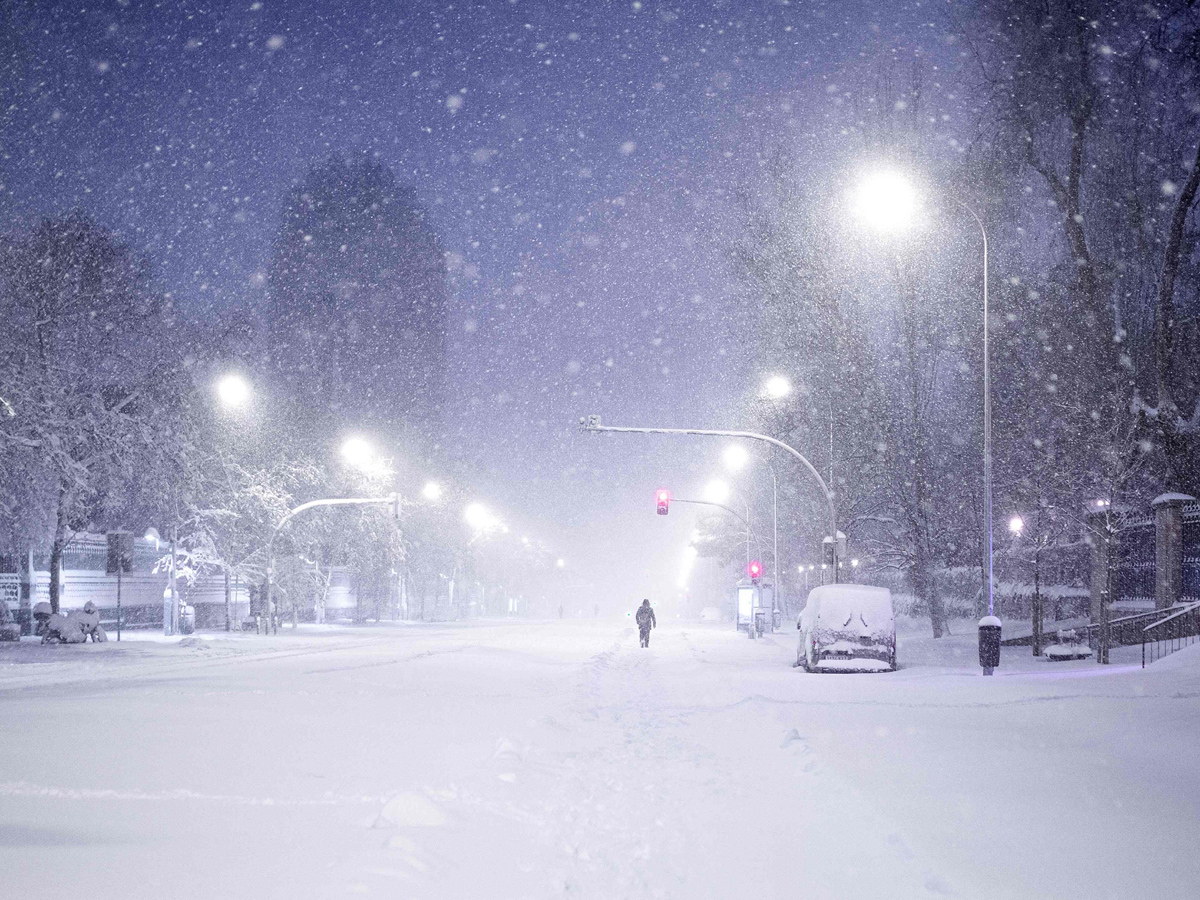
column 775, row 577
column 393, row 499
column 987, row 418
column 888, row 202
column 592, row 423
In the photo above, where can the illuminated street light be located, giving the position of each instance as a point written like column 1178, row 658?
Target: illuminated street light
column 480, row 518
column 854, row 563
column 735, row 457
column 561, row 563
column 1016, row 524
column 777, row 387
column 886, row 201
column 432, row 491
column 716, row 491
column 233, row 391
column 359, row 454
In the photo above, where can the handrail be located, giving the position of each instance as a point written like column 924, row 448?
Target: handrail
column 1182, row 611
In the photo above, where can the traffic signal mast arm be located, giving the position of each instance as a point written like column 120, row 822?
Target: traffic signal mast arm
column 592, row 423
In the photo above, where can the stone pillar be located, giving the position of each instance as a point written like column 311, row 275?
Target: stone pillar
column 1168, row 548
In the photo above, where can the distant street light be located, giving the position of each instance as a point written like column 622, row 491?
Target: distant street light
column 432, row 491
column 716, row 491
column 561, row 563
column 735, row 457
column 777, row 387
column 888, row 202
column 1016, row 524
column 233, row 392
column 480, row 518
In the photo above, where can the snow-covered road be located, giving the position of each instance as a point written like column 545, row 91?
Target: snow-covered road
column 502, row 760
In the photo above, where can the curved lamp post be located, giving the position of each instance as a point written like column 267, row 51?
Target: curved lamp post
column 393, row 499
column 888, row 202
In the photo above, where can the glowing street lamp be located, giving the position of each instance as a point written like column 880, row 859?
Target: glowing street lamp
column 480, row 518
column 1016, row 524
column 233, row 392
column 886, row 201
column 560, row 563
column 777, row 387
column 716, row 491
column 359, row 454
column 432, row 491
column 735, row 457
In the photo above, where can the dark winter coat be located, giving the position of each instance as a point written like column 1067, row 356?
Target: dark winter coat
column 645, row 617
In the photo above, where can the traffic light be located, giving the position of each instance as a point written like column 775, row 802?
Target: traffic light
column 663, row 496
column 755, row 572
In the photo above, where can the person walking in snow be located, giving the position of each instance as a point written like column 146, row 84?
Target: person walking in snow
column 645, row 621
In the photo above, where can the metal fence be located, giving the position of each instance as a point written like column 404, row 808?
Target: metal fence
column 1191, row 551
column 1135, row 559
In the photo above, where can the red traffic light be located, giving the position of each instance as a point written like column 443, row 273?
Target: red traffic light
column 663, row 496
column 755, row 571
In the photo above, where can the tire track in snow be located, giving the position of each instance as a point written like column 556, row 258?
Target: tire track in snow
column 25, row 789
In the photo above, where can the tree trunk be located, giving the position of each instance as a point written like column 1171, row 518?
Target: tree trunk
column 228, row 603
column 1174, row 444
column 56, row 550
column 923, row 585
column 1037, row 609
column 319, row 611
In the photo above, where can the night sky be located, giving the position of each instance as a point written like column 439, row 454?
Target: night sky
column 577, row 160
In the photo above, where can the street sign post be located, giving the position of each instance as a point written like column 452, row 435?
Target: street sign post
column 118, row 561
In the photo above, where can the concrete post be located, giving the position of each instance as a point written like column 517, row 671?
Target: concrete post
column 1168, row 548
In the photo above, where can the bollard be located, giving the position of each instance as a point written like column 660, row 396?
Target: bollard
column 989, row 644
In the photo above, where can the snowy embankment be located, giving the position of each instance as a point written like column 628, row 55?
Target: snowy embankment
column 549, row 759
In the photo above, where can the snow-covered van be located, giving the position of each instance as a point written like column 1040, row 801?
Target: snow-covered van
column 847, row 627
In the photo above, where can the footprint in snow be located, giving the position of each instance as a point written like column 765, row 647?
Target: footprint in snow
column 792, row 737
column 506, row 749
